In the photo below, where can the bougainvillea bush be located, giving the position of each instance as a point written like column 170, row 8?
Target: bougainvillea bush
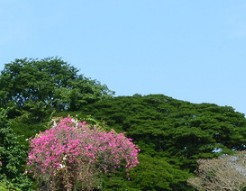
column 72, row 155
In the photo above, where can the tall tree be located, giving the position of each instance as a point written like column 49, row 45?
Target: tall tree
column 39, row 85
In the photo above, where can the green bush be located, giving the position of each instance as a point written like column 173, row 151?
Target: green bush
column 7, row 186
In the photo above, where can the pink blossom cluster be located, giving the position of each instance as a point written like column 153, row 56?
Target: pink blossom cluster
column 74, row 145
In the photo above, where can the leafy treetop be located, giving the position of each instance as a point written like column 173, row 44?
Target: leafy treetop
column 39, row 85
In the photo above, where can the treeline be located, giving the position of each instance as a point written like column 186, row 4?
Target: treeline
column 172, row 134
column 175, row 132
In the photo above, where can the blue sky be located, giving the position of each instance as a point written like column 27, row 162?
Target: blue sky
column 189, row 50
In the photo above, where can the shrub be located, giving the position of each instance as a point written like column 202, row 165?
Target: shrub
column 72, row 155
column 227, row 172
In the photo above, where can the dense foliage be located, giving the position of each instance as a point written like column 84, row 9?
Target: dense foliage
column 172, row 134
column 160, row 124
column 12, row 156
column 174, row 131
column 36, row 87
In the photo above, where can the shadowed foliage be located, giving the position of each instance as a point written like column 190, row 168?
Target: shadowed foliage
column 172, row 134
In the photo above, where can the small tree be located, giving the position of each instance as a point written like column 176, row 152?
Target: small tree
column 224, row 173
column 72, row 155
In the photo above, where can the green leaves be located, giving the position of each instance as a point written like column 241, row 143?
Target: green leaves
column 12, row 155
column 171, row 134
column 173, row 131
column 40, row 86
column 157, row 174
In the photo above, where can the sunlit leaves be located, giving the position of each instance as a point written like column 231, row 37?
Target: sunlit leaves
column 51, row 82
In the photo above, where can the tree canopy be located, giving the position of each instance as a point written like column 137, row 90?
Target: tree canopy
column 161, row 125
column 42, row 85
column 171, row 134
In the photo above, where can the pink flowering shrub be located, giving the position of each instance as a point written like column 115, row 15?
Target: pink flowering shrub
column 71, row 155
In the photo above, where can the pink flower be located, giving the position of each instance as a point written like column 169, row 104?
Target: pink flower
column 72, row 145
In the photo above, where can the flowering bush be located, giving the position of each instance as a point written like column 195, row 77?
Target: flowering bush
column 228, row 172
column 72, row 154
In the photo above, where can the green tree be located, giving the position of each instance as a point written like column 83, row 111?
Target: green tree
column 179, row 131
column 39, row 86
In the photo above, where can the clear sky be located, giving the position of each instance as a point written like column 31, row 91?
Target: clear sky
column 189, row 50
